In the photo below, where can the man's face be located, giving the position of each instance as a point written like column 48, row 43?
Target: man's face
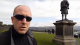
column 21, row 26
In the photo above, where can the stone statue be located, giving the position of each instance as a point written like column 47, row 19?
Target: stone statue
column 64, row 9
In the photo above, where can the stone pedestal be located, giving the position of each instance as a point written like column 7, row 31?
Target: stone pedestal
column 64, row 32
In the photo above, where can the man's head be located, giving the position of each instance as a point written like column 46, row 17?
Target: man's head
column 21, row 19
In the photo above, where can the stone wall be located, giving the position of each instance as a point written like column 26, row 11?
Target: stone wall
column 4, row 26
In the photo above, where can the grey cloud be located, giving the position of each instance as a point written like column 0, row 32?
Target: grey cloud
column 5, row 14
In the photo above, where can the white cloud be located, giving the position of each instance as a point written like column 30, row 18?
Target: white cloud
column 47, row 8
column 41, row 24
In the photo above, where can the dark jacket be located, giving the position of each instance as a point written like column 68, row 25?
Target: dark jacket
column 6, row 38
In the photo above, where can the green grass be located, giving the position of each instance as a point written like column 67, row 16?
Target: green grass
column 3, row 31
column 44, row 38
column 78, row 40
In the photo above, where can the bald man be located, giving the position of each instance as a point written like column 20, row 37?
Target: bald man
column 18, row 34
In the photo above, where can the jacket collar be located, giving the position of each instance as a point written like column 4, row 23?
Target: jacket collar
column 29, row 33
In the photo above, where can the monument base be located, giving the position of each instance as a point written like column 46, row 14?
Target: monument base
column 64, row 32
column 64, row 20
column 64, row 41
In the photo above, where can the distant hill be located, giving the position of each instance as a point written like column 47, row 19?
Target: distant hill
column 76, row 28
column 41, row 28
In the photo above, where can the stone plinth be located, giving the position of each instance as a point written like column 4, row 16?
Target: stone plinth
column 64, row 33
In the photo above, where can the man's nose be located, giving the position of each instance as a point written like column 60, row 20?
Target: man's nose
column 24, row 20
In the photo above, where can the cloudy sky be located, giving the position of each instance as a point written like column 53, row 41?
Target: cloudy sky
column 44, row 12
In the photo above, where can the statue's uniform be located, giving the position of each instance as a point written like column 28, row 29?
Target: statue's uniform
column 64, row 7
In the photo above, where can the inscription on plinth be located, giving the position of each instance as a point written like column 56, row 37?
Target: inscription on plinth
column 59, row 30
column 68, row 31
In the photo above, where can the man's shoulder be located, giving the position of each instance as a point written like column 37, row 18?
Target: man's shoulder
column 34, row 41
column 4, row 34
column 4, row 38
column 30, row 34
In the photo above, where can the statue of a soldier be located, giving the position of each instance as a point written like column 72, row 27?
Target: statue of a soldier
column 64, row 9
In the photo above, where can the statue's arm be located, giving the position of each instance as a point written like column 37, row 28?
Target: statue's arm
column 61, row 5
column 67, row 4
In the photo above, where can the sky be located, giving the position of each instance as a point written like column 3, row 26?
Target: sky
column 44, row 12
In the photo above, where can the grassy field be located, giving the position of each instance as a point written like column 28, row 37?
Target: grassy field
column 44, row 38
column 3, row 31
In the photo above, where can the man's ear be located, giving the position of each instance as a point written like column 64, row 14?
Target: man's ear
column 12, row 18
